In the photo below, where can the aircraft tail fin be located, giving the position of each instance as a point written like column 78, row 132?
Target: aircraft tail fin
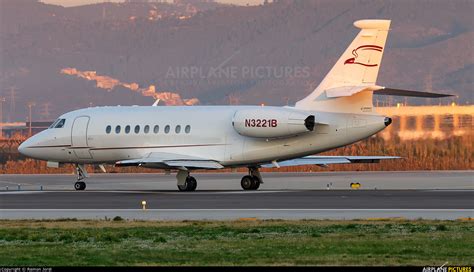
column 357, row 67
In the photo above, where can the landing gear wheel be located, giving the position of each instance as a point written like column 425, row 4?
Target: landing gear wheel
column 247, row 183
column 256, row 183
column 253, row 180
column 80, row 186
column 193, row 183
column 189, row 185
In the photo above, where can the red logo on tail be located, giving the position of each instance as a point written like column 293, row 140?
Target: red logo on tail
column 363, row 47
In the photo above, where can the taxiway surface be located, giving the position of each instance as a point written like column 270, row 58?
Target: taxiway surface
column 264, row 199
column 438, row 194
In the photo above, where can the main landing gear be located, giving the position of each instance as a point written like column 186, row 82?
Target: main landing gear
column 251, row 181
column 189, row 185
column 81, row 174
column 186, row 182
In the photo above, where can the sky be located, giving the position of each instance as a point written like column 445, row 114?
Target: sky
column 69, row 3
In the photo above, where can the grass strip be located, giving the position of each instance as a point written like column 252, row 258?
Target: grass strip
column 268, row 242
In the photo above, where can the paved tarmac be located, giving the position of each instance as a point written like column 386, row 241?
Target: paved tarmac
column 433, row 195
column 231, row 181
column 265, row 199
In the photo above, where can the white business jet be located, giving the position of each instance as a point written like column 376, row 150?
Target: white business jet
column 182, row 139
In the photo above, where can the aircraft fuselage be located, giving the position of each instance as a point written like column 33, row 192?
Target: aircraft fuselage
column 92, row 135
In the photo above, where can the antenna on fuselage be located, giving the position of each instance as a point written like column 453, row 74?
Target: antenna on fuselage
column 156, row 102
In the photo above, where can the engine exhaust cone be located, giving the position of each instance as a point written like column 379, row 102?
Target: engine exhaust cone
column 309, row 122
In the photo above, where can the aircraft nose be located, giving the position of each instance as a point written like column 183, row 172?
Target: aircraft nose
column 25, row 147
column 387, row 121
column 22, row 148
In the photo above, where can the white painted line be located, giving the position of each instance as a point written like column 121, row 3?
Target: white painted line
column 16, row 183
column 16, row 192
column 218, row 210
column 449, row 190
column 167, row 192
column 232, row 192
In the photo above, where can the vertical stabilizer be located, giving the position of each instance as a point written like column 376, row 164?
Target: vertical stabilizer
column 356, row 69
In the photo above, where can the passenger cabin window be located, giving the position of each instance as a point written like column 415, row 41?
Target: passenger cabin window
column 156, row 129
column 167, row 129
column 108, row 129
column 127, row 129
column 137, row 129
column 177, row 129
column 187, row 129
column 117, row 129
column 146, row 129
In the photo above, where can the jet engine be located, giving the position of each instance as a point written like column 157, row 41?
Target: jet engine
column 266, row 122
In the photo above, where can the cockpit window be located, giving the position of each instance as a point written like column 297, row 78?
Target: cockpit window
column 54, row 123
column 60, row 124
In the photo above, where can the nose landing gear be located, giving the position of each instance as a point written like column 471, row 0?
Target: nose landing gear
column 80, row 185
column 251, row 181
column 81, row 174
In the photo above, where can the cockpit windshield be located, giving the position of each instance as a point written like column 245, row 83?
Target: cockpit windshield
column 59, row 123
column 54, row 123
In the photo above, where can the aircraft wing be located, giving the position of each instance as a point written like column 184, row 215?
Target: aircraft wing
column 325, row 160
column 162, row 160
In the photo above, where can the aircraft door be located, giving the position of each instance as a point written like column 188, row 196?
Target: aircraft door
column 79, row 137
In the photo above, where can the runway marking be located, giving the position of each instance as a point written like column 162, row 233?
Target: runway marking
column 150, row 192
column 449, row 190
column 16, row 192
column 229, row 192
column 16, row 183
column 219, row 210
column 234, row 192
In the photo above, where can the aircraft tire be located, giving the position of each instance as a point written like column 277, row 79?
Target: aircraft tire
column 247, row 183
column 189, row 185
column 80, row 186
column 192, row 183
column 256, row 183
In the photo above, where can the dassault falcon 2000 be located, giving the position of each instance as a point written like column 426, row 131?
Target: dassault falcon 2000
column 338, row 112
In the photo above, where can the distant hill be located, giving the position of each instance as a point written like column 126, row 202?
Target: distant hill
column 273, row 54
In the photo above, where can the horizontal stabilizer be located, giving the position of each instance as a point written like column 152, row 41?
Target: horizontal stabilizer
column 352, row 90
column 399, row 92
column 325, row 160
column 349, row 90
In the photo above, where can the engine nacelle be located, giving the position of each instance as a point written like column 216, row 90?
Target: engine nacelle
column 272, row 122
